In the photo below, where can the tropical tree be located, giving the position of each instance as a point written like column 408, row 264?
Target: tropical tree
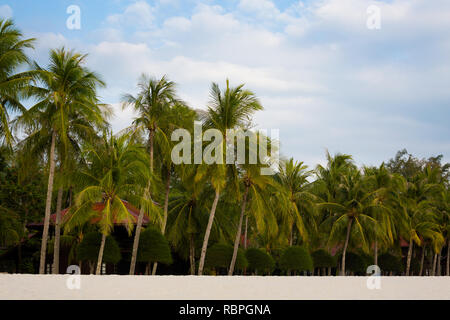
column 348, row 205
column 152, row 105
column 295, row 201
column 117, row 170
column 256, row 190
column 67, row 90
column 12, row 56
column 229, row 109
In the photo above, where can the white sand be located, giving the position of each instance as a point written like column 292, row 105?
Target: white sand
column 228, row 288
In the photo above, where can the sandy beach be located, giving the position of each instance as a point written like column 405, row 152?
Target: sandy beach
column 14, row 286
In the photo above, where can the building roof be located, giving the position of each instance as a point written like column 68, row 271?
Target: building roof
column 99, row 206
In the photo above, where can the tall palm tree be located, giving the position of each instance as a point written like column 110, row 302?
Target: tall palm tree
column 67, row 91
column 188, row 207
column 379, row 185
column 296, row 201
column 117, row 169
column 229, row 109
column 256, row 191
column 348, row 204
column 152, row 104
column 12, row 56
column 419, row 217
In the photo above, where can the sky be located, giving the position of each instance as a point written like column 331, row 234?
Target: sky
column 328, row 76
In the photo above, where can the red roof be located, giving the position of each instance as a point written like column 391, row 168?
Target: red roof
column 99, row 206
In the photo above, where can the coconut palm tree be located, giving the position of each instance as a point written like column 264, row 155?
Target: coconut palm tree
column 296, row 202
column 229, row 109
column 348, row 206
column 152, row 104
column 116, row 170
column 419, row 218
column 177, row 116
column 257, row 189
column 67, row 90
column 379, row 184
column 12, row 56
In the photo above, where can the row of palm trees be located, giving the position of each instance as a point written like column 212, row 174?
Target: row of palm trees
column 337, row 207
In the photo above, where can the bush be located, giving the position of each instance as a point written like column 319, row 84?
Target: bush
column 259, row 260
column 219, row 256
column 89, row 247
column 322, row 259
column 296, row 258
column 355, row 262
column 388, row 262
column 153, row 247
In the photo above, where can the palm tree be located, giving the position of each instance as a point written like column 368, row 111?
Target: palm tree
column 186, row 213
column 417, row 207
column 12, row 56
column 67, row 92
column 152, row 103
column 227, row 110
column 117, row 169
column 256, row 188
column 348, row 203
column 296, row 202
column 177, row 116
column 379, row 185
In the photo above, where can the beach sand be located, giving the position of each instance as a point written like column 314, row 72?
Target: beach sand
column 23, row 286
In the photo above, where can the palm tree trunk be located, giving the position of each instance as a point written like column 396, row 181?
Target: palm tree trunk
column 408, row 259
column 344, row 251
column 237, row 240
column 100, row 254
column 192, row 253
column 438, row 267
column 207, row 232
column 448, row 257
column 151, row 138
column 291, row 236
column 48, row 205
column 166, row 209
column 433, row 271
column 136, row 241
column 245, row 232
column 376, row 252
column 422, row 260
column 57, row 232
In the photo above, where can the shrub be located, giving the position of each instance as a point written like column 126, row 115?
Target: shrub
column 153, row 247
column 388, row 262
column 89, row 247
column 355, row 262
column 296, row 258
column 219, row 256
column 259, row 260
column 322, row 259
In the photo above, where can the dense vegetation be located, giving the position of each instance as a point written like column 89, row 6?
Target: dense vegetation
column 224, row 218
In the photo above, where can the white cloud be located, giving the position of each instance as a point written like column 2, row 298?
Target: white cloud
column 139, row 14
column 326, row 81
column 6, row 11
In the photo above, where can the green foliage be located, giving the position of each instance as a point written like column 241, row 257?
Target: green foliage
column 388, row 262
column 356, row 263
column 153, row 247
column 322, row 259
column 219, row 256
column 296, row 258
column 259, row 260
column 89, row 247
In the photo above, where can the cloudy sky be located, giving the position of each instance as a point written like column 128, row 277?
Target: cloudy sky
column 326, row 80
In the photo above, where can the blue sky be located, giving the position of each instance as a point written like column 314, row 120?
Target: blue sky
column 325, row 79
